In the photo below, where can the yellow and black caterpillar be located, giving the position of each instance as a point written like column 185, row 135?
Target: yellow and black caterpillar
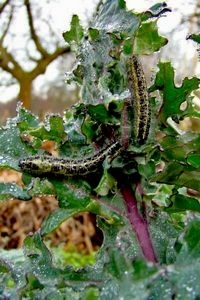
column 139, row 99
column 41, row 165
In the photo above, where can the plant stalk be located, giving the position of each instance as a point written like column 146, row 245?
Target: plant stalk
column 139, row 225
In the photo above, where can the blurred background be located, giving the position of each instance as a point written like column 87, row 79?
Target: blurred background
column 33, row 62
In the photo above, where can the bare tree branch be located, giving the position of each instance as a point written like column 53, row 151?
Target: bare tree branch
column 34, row 35
column 8, row 63
column 8, row 25
column 48, row 24
column 43, row 63
column 4, row 5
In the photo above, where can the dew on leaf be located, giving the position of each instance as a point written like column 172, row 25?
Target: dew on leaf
column 2, row 160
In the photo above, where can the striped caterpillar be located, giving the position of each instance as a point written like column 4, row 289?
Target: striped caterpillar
column 139, row 101
column 41, row 165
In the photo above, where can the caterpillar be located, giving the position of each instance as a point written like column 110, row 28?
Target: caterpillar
column 41, row 165
column 139, row 101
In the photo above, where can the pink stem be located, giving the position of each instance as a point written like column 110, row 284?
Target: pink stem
column 139, row 225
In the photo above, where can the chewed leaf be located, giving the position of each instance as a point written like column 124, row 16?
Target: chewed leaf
column 25, row 119
column 75, row 34
column 147, row 39
column 156, row 10
column 173, row 96
column 51, row 130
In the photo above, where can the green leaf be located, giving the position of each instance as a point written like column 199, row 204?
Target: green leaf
column 52, row 130
column 25, row 119
column 147, row 169
column 173, row 96
column 194, row 160
column 182, row 149
column 96, row 60
column 192, row 237
column 11, row 272
column 169, row 175
column 99, row 113
column 194, row 37
column 182, row 203
column 164, row 235
column 11, row 144
column 89, row 129
column 128, row 47
column 122, row 3
column 32, row 284
column 93, row 33
column 56, row 218
column 12, row 190
column 114, row 17
column 38, row 187
column 190, row 179
column 7, row 161
column 72, row 194
column 178, row 175
column 147, row 39
column 106, row 183
column 175, row 149
column 75, row 34
column 72, row 124
column 72, row 257
column 91, row 294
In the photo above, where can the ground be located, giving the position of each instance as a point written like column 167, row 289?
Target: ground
column 19, row 218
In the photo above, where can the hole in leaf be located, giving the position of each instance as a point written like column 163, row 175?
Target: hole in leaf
column 76, row 241
column 79, row 233
column 19, row 218
column 190, row 124
column 183, row 106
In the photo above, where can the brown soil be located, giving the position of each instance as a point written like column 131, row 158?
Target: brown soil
column 19, row 218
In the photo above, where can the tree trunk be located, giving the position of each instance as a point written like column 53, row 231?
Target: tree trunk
column 25, row 92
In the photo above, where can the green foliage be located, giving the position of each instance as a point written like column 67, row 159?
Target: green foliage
column 147, row 184
column 147, row 39
column 194, row 37
column 173, row 96
column 71, row 257
column 75, row 34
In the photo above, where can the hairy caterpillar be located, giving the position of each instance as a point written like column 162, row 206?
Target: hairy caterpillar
column 41, row 165
column 139, row 101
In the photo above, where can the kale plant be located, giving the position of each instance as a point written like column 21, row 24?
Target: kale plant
column 146, row 198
